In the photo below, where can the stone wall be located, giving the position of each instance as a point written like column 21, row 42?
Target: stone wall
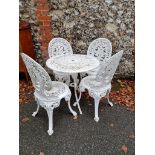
column 36, row 13
column 82, row 21
column 27, row 13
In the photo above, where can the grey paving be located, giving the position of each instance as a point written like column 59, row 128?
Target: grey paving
column 82, row 136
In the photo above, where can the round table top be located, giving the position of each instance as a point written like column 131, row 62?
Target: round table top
column 75, row 63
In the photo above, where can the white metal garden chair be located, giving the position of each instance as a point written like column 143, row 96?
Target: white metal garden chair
column 100, row 85
column 60, row 46
column 48, row 94
column 100, row 48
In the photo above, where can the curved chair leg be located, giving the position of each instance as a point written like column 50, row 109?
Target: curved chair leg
column 96, row 118
column 111, row 104
column 34, row 113
column 50, row 121
column 38, row 106
column 71, row 110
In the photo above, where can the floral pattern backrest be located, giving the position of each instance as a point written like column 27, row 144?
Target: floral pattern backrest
column 100, row 48
column 40, row 78
column 107, row 69
column 59, row 46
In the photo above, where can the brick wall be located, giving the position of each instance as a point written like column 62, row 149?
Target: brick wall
column 44, row 20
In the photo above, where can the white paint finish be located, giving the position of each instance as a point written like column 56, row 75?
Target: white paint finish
column 73, row 64
column 100, row 85
column 101, row 49
column 56, row 47
column 48, row 94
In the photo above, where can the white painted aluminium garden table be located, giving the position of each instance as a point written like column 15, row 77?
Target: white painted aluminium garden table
column 73, row 64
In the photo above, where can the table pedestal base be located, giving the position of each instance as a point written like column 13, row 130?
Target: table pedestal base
column 74, row 76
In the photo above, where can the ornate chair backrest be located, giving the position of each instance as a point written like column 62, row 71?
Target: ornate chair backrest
column 107, row 69
column 100, row 48
column 59, row 46
column 40, row 78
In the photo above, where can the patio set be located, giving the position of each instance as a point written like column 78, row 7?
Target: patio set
column 95, row 71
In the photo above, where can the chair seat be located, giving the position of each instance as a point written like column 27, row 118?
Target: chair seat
column 91, row 83
column 59, row 90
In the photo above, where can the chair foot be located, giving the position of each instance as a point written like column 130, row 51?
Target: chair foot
column 50, row 120
column 80, row 112
column 110, row 103
column 34, row 114
column 96, row 119
column 74, row 113
column 50, row 132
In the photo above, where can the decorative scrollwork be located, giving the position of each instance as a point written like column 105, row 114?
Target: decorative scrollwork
column 51, row 105
column 97, row 94
column 100, row 85
column 107, row 70
column 47, row 93
column 100, row 48
column 40, row 78
column 59, row 46
column 75, row 63
column 44, row 87
column 102, row 80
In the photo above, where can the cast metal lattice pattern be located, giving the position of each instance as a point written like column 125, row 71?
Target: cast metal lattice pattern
column 100, row 85
column 73, row 64
column 60, row 46
column 47, row 93
column 100, row 48
column 40, row 78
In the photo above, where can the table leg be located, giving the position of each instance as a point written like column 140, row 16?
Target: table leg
column 74, row 76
